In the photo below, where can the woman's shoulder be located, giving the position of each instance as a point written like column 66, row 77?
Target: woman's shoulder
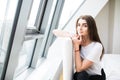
column 97, row 44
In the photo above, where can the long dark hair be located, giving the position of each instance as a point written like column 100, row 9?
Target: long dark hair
column 92, row 29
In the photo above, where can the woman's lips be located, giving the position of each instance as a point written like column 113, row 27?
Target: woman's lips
column 80, row 33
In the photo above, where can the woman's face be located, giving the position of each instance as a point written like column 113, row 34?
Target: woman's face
column 82, row 27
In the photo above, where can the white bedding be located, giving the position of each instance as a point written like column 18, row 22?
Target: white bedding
column 111, row 65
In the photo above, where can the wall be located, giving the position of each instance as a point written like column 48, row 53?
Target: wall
column 116, row 28
column 102, row 25
column 108, row 26
column 111, row 24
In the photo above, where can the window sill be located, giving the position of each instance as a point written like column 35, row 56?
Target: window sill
column 49, row 69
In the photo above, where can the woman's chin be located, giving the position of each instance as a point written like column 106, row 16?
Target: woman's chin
column 80, row 34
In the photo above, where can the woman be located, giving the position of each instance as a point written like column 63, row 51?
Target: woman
column 88, row 49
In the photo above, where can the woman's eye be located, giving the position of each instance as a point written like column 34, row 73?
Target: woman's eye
column 78, row 25
column 85, row 26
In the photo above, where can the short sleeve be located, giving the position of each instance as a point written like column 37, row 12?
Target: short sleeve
column 95, row 53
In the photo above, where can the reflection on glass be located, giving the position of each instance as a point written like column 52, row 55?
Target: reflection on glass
column 33, row 13
column 7, row 14
column 25, row 55
column 70, row 6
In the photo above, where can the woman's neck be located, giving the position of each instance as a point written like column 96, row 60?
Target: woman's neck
column 86, row 41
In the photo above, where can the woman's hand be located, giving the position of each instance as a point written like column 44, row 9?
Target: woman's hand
column 77, row 41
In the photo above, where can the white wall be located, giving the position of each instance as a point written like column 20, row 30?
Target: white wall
column 108, row 26
column 116, row 28
column 111, row 24
column 102, row 25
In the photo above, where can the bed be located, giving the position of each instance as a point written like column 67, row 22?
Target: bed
column 111, row 65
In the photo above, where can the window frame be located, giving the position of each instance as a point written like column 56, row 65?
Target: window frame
column 20, row 25
column 48, row 36
column 16, row 39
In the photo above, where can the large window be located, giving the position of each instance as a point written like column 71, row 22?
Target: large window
column 25, row 34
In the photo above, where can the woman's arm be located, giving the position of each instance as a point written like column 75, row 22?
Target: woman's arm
column 61, row 33
column 80, row 64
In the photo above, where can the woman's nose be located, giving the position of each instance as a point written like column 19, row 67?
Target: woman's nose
column 79, row 27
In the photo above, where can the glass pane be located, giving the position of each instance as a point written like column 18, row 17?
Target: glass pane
column 27, row 48
column 25, row 55
column 33, row 13
column 68, row 11
column 7, row 14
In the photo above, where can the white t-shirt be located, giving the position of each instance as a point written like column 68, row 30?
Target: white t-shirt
column 93, row 52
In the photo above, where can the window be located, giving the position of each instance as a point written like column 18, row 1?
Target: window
column 29, row 34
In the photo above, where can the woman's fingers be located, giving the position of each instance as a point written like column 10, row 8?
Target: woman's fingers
column 61, row 33
column 57, row 32
column 76, row 39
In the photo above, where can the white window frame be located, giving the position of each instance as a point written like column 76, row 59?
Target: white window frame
column 18, row 36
